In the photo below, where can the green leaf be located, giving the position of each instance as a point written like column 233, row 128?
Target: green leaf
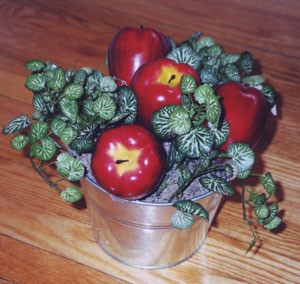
column 231, row 170
column 105, row 107
column 186, row 102
column 19, row 142
column 213, row 107
column 45, row 150
column 205, row 42
column 200, row 93
column 83, row 146
column 39, row 103
column 35, row 65
column 208, row 76
column 38, row 131
column 261, row 199
column 216, row 184
column 246, row 63
column 269, row 93
column 160, row 122
column 35, row 82
column 221, row 134
column 73, row 91
column 232, row 73
column 19, row 123
column 269, row 184
column 174, row 156
column 179, row 121
column 228, row 58
column 50, row 66
column 88, row 70
column 261, row 210
column 69, row 75
column 204, row 94
column 87, row 107
column 182, row 220
column 71, row 194
column 242, row 154
column 205, row 160
column 187, row 84
column 69, row 167
column 197, row 114
column 95, row 78
column 273, row 209
column 214, row 50
column 273, row 224
column 254, row 80
column 193, row 144
column 69, row 108
column 68, row 135
column 108, row 84
column 127, row 101
column 58, row 80
column 84, row 138
column 80, row 77
column 244, row 175
column 58, row 125
column 253, row 196
column 185, row 54
column 191, row 207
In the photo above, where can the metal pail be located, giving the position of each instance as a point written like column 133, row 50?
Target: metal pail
column 140, row 234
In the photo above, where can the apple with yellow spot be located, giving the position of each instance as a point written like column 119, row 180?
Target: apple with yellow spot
column 157, row 84
column 128, row 161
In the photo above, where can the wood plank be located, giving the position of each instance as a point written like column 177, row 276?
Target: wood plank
column 40, row 233
column 45, row 267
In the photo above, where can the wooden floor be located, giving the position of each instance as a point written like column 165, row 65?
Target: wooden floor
column 44, row 240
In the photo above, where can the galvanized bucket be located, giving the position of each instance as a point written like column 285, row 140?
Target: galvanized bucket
column 140, row 234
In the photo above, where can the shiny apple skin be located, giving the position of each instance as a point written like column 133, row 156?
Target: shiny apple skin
column 246, row 111
column 132, row 47
column 141, row 179
column 154, row 94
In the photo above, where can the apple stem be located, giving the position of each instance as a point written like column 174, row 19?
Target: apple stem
column 171, row 78
column 121, row 161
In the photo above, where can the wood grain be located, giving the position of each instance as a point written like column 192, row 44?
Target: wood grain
column 44, row 240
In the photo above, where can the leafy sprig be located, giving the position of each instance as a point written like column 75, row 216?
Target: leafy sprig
column 194, row 155
column 216, row 66
column 70, row 109
column 264, row 210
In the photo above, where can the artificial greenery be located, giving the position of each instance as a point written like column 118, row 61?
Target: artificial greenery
column 72, row 107
column 217, row 66
column 194, row 154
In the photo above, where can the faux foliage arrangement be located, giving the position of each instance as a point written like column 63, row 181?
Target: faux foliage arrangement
column 72, row 107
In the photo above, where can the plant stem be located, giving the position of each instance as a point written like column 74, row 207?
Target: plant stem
column 186, row 183
column 43, row 176
column 249, row 222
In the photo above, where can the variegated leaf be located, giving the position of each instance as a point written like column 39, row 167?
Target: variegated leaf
column 71, row 194
column 193, row 144
column 216, row 184
column 19, row 123
column 242, row 154
column 182, row 220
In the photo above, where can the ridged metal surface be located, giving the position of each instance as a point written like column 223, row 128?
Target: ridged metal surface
column 140, row 234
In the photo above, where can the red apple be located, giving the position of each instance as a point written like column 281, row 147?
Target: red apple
column 157, row 84
column 128, row 161
column 246, row 111
column 132, row 47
